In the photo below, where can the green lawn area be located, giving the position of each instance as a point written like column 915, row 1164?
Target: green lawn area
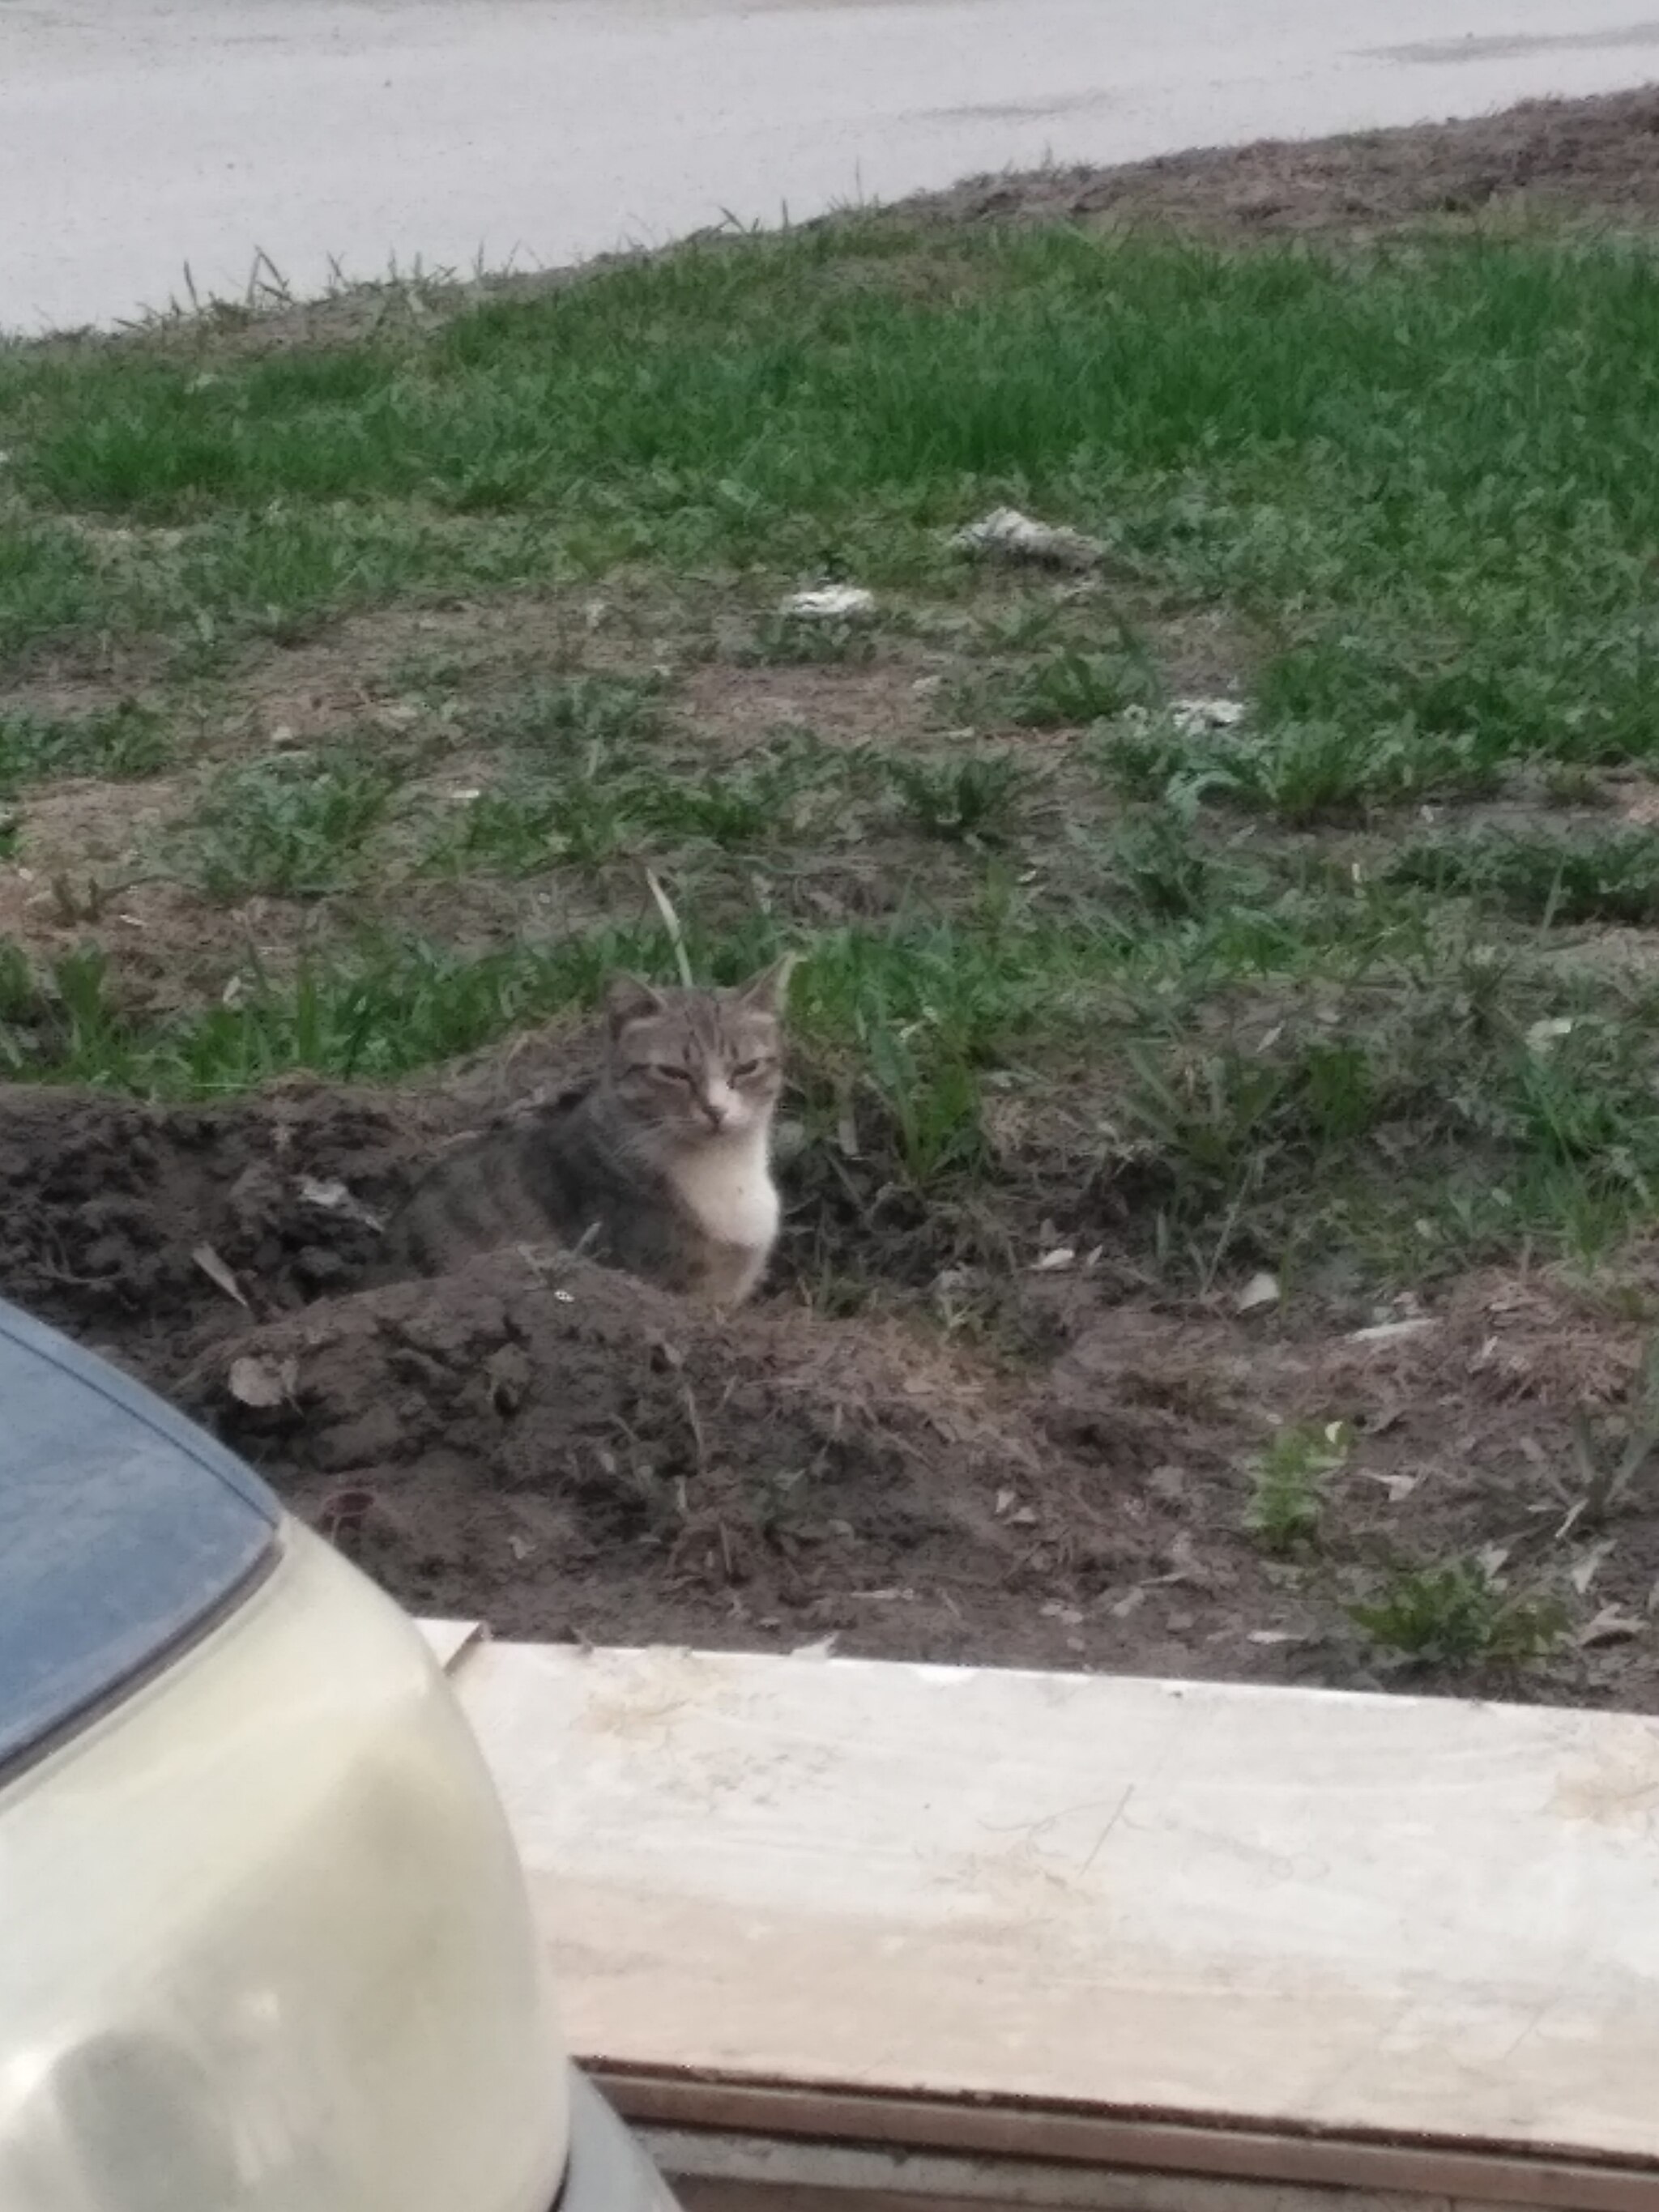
column 1360, row 990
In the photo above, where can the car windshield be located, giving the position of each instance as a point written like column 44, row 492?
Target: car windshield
column 122, row 1529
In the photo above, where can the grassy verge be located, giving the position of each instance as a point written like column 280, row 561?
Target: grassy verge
column 1064, row 942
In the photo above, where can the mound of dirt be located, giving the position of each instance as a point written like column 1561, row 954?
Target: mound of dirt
column 1598, row 157
column 562, row 1451
column 135, row 1226
column 508, row 1438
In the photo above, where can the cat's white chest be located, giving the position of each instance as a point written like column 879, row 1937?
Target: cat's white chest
column 729, row 1188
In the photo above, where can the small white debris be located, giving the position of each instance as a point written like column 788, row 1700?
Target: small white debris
column 1261, row 1290
column 823, row 1648
column 217, row 1273
column 1392, row 1332
column 1612, row 1624
column 1196, row 717
column 1397, row 1485
column 1588, row 1564
column 1272, row 1636
column 1006, row 534
column 333, row 1197
column 1054, row 1262
column 831, row 603
column 263, row 1384
column 1006, row 1502
column 1542, row 1038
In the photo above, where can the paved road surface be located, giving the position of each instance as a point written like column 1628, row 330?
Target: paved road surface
column 137, row 136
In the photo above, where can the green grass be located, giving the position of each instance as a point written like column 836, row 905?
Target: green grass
column 1455, row 1612
column 1414, row 487
column 116, row 742
column 558, row 718
column 1287, row 1484
column 1426, row 473
column 976, row 799
column 1612, row 875
column 295, row 825
column 1072, row 685
column 609, row 798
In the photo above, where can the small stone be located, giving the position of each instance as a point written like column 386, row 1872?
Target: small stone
column 1260, row 1292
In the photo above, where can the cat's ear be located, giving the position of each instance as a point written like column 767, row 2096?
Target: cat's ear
column 769, row 991
column 629, row 999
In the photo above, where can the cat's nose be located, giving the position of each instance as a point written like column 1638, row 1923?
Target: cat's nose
column 717, row 1104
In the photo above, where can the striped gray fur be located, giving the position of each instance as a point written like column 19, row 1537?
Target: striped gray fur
column 661, row 1166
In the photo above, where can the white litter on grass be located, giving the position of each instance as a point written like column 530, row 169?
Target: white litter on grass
column 1195, row 718
column 1543, row 1036
column 1261, row 1290
column 1392, row 1331
column 1188, row 717
column 831, row 603
column 1006, row 534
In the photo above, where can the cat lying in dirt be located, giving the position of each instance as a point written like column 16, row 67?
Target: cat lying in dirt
column 662, row 1166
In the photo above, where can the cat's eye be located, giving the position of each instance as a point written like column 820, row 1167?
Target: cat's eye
column 670, row 1073
column 745, row 1069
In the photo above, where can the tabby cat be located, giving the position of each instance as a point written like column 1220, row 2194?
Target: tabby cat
column 661, row 1166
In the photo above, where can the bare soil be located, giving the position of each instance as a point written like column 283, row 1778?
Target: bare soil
column 1594, row 158
column 566, row 1453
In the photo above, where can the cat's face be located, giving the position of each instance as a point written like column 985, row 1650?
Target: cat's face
column 698, row 1067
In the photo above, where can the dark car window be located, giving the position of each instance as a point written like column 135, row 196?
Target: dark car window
column 122, row 1528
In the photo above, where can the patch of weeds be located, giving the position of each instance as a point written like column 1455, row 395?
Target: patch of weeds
column 1077, row 687
column 520, row 832
column 1455, row 1612
column 1163, row 868
column 1224, row 1118
column 1287, row 1484
column 19, row 1006
column 1605, row 1473
column 1584, row 1098
column 1307, row 772
column 603, row 806
column 731, row 811
column 1612, row 877
column 48, row 586
column 1304, row 773
column 576, row 710
column 394, row 1007
column 932, row 1100
column 1147, row 757
column 295, row 824
column 976, row 799
column 784, row 639
column 1571, row 783
column 121, row 742
column 1021, row 625
column 1568, row 694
